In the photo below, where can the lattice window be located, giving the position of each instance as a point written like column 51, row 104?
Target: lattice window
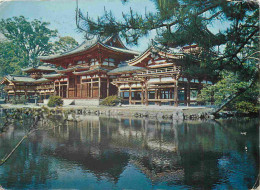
column 109, row 62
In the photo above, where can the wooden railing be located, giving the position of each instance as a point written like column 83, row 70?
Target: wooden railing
column 173, row 69
column 8, row 88
column 44, row 87
column 126, row 79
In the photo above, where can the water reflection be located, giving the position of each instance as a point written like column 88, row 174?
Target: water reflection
column 116, row 153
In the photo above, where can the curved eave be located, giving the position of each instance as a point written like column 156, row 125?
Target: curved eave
column 37, row 70
column 90, row 48
column 5, row 79
column 90, row 72
column 53, row 76
column 72, row 69
column 120, row 50
column 148, row 52
column 140, row 58
column 41, row 81
column 126, row 72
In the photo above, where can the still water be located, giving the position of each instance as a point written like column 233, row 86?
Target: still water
column 120, row 153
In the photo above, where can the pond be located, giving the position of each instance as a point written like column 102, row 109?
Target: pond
column 122, row 153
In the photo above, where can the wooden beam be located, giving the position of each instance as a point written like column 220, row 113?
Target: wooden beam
column 142, row 95
column 91, row 88
column 130, row 94
column 146, row 94
column 67, row 93
column 59, row 88
column 99, row 87
column 176, row 94
column 188, row 92
column 107, row 86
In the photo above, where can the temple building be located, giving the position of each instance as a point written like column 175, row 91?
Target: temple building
column 84, row 70
column 29, row 85
column 102, row 67
column 157, row 77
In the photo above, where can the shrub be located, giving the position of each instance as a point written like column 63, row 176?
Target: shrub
column 55, row 101
column 111, row 101
column 21, row 100
column 246, row 107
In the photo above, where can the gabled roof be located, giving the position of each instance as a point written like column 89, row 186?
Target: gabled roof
column 52, row 76
column 97, row 69
column 125, row 69
column 39, row 68
column 154, row 48
column 88, row 44
column 22, row 79
column 78, row 67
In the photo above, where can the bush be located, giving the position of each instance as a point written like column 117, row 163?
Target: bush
column 55, row 101
column 111, row 101
column 21, row 100
column 246, row 107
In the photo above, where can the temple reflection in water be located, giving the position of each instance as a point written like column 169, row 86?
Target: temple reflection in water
column 101, row 152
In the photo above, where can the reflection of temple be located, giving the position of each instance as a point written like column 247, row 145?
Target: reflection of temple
column 103, row 147
column 188, row 155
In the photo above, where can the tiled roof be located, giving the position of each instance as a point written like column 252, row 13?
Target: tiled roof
column 90, row 71
column 53, row 75
column 43, row 68
column 125, row 69
column 78, row 67
column 87, row 44
column 21, row 78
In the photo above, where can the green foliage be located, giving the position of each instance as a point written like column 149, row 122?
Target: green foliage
column 55, row 101
column 17, row 100
column 25, row 41
column 11, row 58
column 64, row 44
column 111, row 101
column 31, row 37
column 228, row 85
column 246, row 107
column 224, row 88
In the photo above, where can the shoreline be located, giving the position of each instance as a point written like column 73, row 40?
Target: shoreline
column 159, row 112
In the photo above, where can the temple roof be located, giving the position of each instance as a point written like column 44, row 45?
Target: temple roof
column 22, row 79
column 90, row 71
column 156, row 48
column 39, row 68
column 87, row 44
column 53, row 75
column 125, row 69
column 78, row 67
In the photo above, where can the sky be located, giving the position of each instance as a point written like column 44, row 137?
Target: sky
column 61, row 13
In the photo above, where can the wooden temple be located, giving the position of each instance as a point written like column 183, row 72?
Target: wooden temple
column 29, row 85
column 101, row 67
column 83, row 73
column 157, row 77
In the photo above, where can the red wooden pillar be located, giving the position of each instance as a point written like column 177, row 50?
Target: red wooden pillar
column 99, row 87
column 176, row 99
column 142, row 94
column 67, row 93
column 107, row 86
column 130, row 94
column 188, row 92
column 146, row 93
column 91, row 88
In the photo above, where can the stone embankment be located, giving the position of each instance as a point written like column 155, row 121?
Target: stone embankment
column 151, row 112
